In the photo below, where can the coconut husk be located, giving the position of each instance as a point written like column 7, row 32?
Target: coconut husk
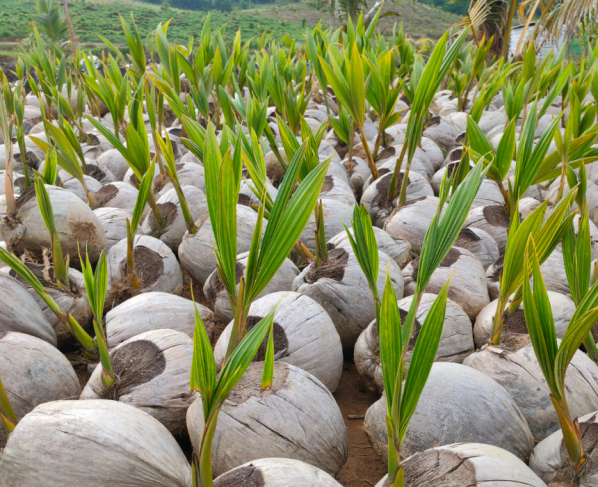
column 188, row 174
column 247, row 196
column 493, row 220
column 117, row 195
column 94, row 443
column 441, row 133
column 304, row 336
column 473, row 408
column 336, row 214
column 74, row 186
column 297, row 418
column 480, row 244
column 411, row 222
column 274, row 169
column 434, row 153
column 114, row 222
column 33, row 372
column 115, row 162
column 359, row 172
column 419, row 164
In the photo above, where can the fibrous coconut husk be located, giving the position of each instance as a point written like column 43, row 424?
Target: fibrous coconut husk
column 117, row 195
column 335, row 214
column 188, row 174
column 411, row 222
column 114, row 161
column 359, row 172
column 480, row 244
column 338, row 189
column 74, row 186
column 493, row 220
column 114, row 222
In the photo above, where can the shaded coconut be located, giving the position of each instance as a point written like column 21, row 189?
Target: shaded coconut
column 77, row 226
column 375, row 198
column 155, row 311
column 398, row 250
column 156, row 268
column 433, row 152
column 468, row 285
column 297, row 418
column 359, row 171
column 152, row 372
column 98, row 171
column 551, row 462
column 217, row 296
column 335, row 214
column 196, row 251
column 93, row 443
column 493, row 220
column 115, row 162
column 117, row 195
column 562, row 308
column 519, row 373
column 336, row 188
column 456, row 339
column 169, row 205
column 411, row 222
column 20, row 313
column 247, row 196
column 527, row 206
column 114, row 222
column 342, row 289
column 276, row 472
column 33, row 372
column 274, row 169
column 466, row 465
column 480, row 244
column 473, row 408
column 304, row 336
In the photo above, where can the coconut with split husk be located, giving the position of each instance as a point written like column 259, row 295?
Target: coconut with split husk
column 466, row 465
column 359, row 172
column 117, row 195
column 173, row 229
column 196, row 251
column 33, row 372
column 115, row 162
column 411, row 222
column 19, row 312
column 114, row 222
column 375, row 196
column 76, row 224
column 93, row 443
column 458, row 404
column 493, row 220
column 296, row 418
column 154, row 311
column 480, row 244
column 398, row 250
column 156, row 268
column 152, row 373
column 335, row 215
column 550, row 460
column 516, row 368
column 342, row 289
column 561, row 306
column 276, row 472
column 468, row 285
column 456, row 339
column 217, row 296
column 304, row 336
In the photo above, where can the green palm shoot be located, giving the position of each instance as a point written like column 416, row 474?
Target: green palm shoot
column 7, row 414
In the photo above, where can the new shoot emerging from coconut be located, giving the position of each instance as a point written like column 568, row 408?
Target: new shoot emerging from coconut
column 215, row 389
column 7, row 414
column 321, row 246
column 11, row 204
column 553, row 358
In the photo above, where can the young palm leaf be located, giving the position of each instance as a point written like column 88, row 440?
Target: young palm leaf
column 7, row 414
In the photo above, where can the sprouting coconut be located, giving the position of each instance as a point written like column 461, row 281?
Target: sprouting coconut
column 115, row 162
column 276, row 472
column 375, row 196
column 274, row 169
column 562, row 308
column 19, row 312
column 342, row 289
column 466, row 464
column 93, row 443
column 518, row 371
column 468, row 286
column 456, row 340
column 152, row 373
column 550, row 460
column 217, row 296
column 296, row 418
column 33, row 372
column 196, row 251
column 335, row 214
column 493, row 220
column 398, row 250
column 174, row 228
column 480, row 244
column 411, row 222
column 75, row 222
column 304, row 336
column 462, row 404
column 156, row 268
column 114, row 222
column 154, row 311
column 117, row 195
column 188, row 174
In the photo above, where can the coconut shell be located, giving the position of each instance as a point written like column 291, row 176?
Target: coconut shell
column 520, row 374
column 336, row 188
column 480, row 244
column 434, row 153
column 20, row 313
column 473, row 408
column 297, row 418
column 74, row 186
column 188, row 174
column 33, row 372
column 468, row 285
column 359, row 172
column 77, row 226
column 456, row 339
column 276, row 472
column 336, row 214
column 155, row 311
column 217, row 296
column 419, row 164
column 466, row 464
column 304, row 336
column 114, row 222
column 411, row 222
column 442, row 133
column 247, row 196
column 152, row 373
column 493, row 220
column 341, row 288
column 114, row 161
column 117, row 195
column 93, row 443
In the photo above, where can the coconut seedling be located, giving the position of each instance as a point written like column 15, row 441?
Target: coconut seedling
column 7, row 414
column 11, row 205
